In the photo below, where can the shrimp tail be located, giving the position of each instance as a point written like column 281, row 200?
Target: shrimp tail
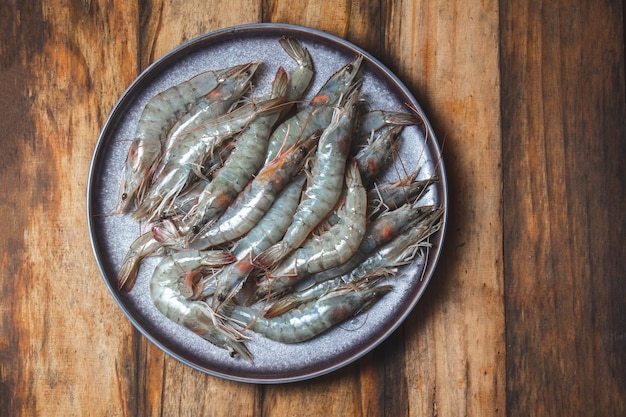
column 271, row 256
column 145, row 245
column 296, row 51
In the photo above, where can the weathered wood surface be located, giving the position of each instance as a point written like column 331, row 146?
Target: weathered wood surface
column 526, row 314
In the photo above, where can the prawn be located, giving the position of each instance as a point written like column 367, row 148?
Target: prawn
column 171, row 289
column 376, row 153
column 252, row 142
column 157, row 118
column 319, row 112
column 327, row 178
column 313, row 318
column 378, row 232
column 187, row 156
column 157, row 241
column 268, row 231
column 328, row 250
column 382, row 261
column 254, row 201
column 218, row 102
column 388, row 196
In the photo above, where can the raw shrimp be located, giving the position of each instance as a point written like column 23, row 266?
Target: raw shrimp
column 319, row 112
column 171, row 289
column 377, row 119
column 376, row 153
column 382, row 262
column 207, row 111
column 329, row 250
column 246, row 161
column 327, row 179
column 186, row 158
column 380, row 231
column 302, row 76
column 268, row 231
column 388, row 196
column 312, row 319
column 159, row 240
column 158, row 116
column 257, row 197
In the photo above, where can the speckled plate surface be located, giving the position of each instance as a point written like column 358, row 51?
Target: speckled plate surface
column 111, row 235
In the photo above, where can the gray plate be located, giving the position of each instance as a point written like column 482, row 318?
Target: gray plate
column 111, row 235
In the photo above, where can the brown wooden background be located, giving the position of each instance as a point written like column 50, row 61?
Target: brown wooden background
column 526, row 314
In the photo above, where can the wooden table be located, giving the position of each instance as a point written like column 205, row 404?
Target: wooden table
column 526, row 313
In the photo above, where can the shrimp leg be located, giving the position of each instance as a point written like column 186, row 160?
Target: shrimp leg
column 329, row 250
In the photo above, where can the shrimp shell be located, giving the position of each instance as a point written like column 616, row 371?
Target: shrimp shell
column 268, row 231
column 384, row 260
column 187, row 157
column 319, row 112
column 245, row 162
column 258, row 196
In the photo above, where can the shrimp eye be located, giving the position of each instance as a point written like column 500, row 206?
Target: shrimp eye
column 349, row 67
column 195, row 229
column 124, row 196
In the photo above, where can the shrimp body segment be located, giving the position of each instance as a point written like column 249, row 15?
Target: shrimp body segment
column 172, row 288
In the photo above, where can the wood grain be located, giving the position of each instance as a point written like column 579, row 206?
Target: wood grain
column 564, row 144
column 526, row 314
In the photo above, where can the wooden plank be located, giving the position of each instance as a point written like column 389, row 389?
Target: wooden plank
column 60, row 328
column 455, row 344
column 166, row 24
column 564, row 147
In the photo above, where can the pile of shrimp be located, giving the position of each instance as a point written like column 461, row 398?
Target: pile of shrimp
column 267, row 212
